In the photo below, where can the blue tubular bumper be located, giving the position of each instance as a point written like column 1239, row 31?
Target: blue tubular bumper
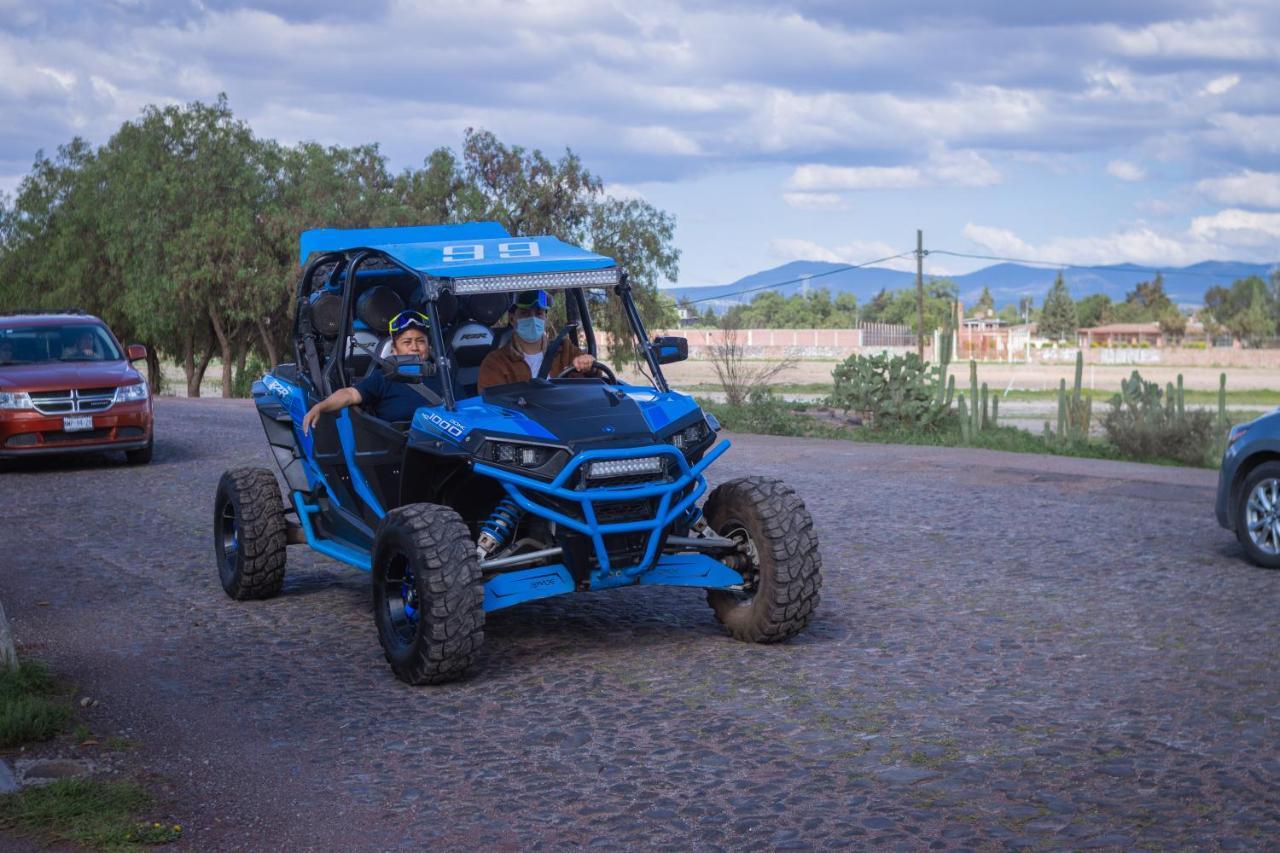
column 669, row 508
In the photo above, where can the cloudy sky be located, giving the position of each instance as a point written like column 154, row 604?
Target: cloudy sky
column 1076, row 132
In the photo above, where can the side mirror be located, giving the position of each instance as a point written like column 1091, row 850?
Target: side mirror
column 136, row 352
column 407, row 368
column 670, row 349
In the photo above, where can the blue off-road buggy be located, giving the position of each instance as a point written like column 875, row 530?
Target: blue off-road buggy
column 522, row 491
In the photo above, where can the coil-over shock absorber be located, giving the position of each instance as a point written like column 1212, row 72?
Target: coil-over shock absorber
column 498, row 529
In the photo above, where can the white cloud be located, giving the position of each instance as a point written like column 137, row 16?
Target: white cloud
column 1125, row 171
column 942, row 168
column 623, row 192
column 1240, row 228
column 1221, row 85
column 816, row 201
column 819, row 177
column 999, row 241
column 1256, row 189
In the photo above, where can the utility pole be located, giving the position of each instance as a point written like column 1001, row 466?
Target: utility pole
column 920, row 293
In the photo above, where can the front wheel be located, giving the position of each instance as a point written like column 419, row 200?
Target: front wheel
column 428, row 601
column 249, row 533
column 1258, row 515
column 141, row 456
column 778, row 558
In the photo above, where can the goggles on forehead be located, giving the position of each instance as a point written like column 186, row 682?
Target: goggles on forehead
column 407, row 320
column 531, row 299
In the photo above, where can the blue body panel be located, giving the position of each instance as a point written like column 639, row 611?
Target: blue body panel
column 517, row 586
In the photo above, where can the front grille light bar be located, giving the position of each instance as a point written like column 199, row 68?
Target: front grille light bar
column 536, row 281
column 605, row 469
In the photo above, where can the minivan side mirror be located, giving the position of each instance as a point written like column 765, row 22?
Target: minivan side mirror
column 670, row 349
column 136, row 352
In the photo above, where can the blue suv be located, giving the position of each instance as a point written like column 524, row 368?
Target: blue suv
column 1249, row 488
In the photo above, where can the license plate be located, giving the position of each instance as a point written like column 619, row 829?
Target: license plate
column 78, row 423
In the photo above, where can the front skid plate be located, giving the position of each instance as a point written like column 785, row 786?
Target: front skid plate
column 696, row 570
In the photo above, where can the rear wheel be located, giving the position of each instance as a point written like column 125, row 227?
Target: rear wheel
column 778, row 558
column 428, row 600
column 249, row 533
column 1258, row 515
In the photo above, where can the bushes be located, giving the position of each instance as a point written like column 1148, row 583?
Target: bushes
column 893, row 391
column 1143, row 426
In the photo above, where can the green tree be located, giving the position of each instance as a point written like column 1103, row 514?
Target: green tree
column 986, row 305
column 1058, row 316
column 1150, row 300
column 1094, row 310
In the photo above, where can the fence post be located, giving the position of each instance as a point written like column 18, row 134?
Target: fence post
column 8, row 654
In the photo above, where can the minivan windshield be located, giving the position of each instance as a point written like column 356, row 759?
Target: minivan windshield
column 73, row 342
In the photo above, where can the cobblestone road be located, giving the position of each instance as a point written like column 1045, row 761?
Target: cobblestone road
column 1011, row 650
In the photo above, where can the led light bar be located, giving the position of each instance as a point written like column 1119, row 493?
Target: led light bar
column 536, row 281
column 625, row 467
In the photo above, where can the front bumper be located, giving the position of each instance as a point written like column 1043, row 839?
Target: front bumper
column 673, row 499
column 125, row 426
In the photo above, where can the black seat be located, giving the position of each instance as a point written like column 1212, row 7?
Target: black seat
column 471, row 338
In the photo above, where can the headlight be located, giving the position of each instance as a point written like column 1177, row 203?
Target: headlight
column 690, row 436
column 15, row 400
column 1237, row 433
column 518, row 455
column 131, row 393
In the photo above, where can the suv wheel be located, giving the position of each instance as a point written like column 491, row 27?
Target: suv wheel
column 249, row 533
column 428, row 601
column 1258, row 515
column 778, row 558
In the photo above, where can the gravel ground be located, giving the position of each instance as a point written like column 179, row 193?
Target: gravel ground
column 1011, row 650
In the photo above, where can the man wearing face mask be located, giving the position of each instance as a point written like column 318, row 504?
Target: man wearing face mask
column 521, row 360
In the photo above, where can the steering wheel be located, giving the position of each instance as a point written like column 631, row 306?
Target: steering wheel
column 595, row 365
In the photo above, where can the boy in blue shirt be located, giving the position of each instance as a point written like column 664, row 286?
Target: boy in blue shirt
column 389, row 400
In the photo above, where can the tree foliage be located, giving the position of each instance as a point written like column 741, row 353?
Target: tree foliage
column 1248, row 310
column 181, row 230
column 1058, row 316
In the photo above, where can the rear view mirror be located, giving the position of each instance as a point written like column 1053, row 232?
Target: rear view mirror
column 136, row 352
column 670, row 349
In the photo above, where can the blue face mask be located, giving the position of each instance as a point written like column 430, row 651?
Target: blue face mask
column 531, row 329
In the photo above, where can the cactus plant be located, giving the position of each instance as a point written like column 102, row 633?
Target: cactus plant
column 1075, row 410
column 966, row 428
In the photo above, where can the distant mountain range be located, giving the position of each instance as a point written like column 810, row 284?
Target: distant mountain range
column 1008, row 282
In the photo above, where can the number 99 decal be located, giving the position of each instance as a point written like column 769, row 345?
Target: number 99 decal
column 475, row 251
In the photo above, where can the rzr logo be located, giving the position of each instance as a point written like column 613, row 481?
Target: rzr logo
column 474, row 336
column 278, row 388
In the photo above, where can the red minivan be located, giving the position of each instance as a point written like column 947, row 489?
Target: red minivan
column 66, row 385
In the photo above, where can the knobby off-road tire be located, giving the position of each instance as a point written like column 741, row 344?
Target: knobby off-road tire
column 428, row 599
column 1259, row 489
column 249, row 533
column 783, row 569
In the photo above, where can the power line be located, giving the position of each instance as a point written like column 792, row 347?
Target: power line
column 802, row 278
column 1060, row 265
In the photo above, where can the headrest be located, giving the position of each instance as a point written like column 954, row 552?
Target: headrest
column 368, row 342
column 377, row 305
column 486, row 308
column 470, row 343
column 326, row 311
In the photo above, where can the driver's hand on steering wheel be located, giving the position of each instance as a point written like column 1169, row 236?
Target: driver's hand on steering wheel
column 583, row 363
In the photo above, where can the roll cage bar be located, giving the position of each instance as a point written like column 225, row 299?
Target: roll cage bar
column 347, row 263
